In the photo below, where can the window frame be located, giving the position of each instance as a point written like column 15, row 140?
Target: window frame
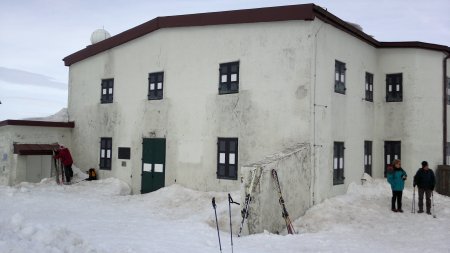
column 227, row 151
column 338, row 166
column 397, row 95
column 226, row 70
column 340, row 77
column 107, row 85
column 369, row 87
column 105, row 162
column 156, row 93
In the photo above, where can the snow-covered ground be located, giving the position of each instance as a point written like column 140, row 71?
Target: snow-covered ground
column 100, row 216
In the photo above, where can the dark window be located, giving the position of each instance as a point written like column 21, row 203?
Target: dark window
column 448, row 90
column 155, row 85
column 339, row 77
column 107, row 91
column 368, row 157
column 392, row 151
column 394, row 87
column 227, row 158
column 448, row 153
column 105, row 153
column 124, row 153
column 338, row 163
column 229, row 78
column 369, row 87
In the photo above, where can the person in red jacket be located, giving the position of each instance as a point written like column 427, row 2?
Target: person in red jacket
column 64, row 155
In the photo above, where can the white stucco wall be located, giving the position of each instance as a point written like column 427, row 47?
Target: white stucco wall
column 339, row 117
column 286, row 96
column 6, row 156
column 270, row 112
column 13, row 166
column 417, row 121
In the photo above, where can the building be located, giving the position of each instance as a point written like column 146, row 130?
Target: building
column 192, row 99
column 26, row 149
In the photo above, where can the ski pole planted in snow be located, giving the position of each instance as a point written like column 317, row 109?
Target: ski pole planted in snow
column 217, row 224
column 432, row 201
column 230, row 201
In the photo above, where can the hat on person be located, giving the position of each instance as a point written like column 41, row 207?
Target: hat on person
column 424, row 163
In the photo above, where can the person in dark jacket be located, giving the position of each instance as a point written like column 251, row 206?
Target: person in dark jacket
column 64, row 155
column 425, row 181
column 396, row 177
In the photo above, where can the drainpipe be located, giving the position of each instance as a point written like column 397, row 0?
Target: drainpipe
column 445, row 101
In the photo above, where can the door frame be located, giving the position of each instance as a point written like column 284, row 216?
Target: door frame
column 157, row 181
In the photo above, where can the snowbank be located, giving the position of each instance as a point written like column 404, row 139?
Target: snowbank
column 19, row 235
column 100, row 216
column 60, row 116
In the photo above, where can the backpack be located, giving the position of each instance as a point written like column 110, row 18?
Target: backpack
column 92, row 174
column 390, row 168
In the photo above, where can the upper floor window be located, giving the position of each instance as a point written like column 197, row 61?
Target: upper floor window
column 107, row 91
column 155, row 85
column 227, row 158
column 105, row 153
column 338, row 163
column 339, row 77
column 229, row 78
column 369, row 87
column 394, row 87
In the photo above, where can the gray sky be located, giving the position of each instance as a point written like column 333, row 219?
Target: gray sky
column 35, row 35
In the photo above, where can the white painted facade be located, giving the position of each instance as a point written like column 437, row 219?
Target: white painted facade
column 270, row 112
column 286, row 96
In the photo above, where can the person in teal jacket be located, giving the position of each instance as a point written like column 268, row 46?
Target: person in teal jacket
column 396, row 177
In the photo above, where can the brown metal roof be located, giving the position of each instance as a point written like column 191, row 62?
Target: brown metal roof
column 269, row 14
column 11, row 122
column 35, row 149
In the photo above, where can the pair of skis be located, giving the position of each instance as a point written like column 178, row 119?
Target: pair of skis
column 245, row 210
column 284, row 212
column 59, row 169
column 248, row 199
column 230, row 201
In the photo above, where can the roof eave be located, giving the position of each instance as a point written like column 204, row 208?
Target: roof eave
column 10, row 122
column 415, row 44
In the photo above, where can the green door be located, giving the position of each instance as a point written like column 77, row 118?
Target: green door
column 153, row 164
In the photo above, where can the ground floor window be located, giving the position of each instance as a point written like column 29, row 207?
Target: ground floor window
column 338, row 163
column 368, row 157
column 105, row 153
column 448, row 153
column 392, row 151
column 227, row 158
